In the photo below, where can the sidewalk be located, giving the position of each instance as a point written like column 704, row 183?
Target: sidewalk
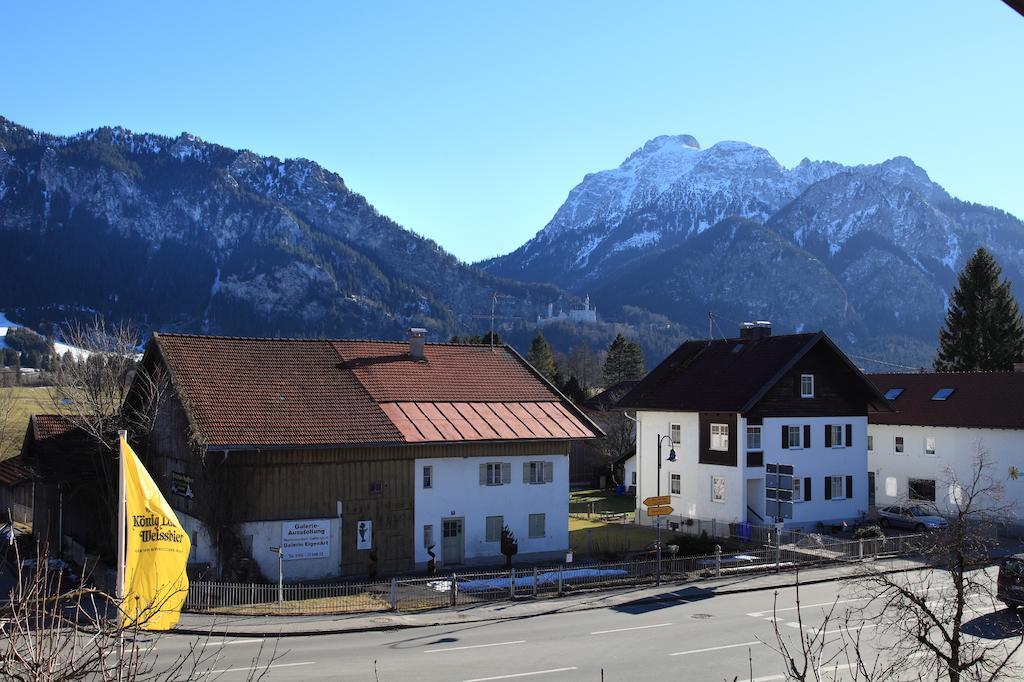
column 293, row 626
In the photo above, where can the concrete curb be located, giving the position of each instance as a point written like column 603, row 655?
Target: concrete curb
column 383, row 627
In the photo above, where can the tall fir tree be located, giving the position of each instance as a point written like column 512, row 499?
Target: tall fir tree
column 984, row 331
column 625, row 361
column 541, row 357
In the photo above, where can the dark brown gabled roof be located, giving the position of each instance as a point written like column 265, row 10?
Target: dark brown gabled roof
column 251, row 392
column 728, row 375
column 12, row 472
column 979, row 399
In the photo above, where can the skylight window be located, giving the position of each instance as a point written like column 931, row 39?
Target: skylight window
column 737, row 348
column 942, row 394
column 893, row 393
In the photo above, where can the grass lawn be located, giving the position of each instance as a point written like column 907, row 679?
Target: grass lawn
column 592, row 538
column 27, row 400
column 580, row 502
column 355, row 603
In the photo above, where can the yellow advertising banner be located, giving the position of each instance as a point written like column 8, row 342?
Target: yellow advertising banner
column 156, row 551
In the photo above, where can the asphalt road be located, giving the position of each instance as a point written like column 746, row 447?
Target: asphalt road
column 719, row 638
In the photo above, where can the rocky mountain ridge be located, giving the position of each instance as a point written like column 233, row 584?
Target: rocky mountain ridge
column 870, row 253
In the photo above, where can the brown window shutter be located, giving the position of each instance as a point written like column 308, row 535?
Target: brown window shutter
column 849, row 435
column 828, row 487
column 549, row 472
column 785, row 436
column 807, row 435
column 807, row 489
column 828, row 435
column 849, row 487
column 506, row 473
column 483, row 474
column 526, row 472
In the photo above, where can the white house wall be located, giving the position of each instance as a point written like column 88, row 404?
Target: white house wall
column 956, row 451
column 263, row 535
column 695, row 498
column 817, row 462
column 456, row 492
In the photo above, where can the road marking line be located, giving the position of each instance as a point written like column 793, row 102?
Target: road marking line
column 759, row 614
column 473, row 646
column 638, row 627
column 508, row 677
column 716, row 648
column 256, row 668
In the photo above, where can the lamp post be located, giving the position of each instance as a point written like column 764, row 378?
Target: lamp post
column 671, row 458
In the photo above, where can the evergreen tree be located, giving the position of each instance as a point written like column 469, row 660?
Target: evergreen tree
column 573, row 391
column 983, row 330
column 541, row 357
column 625, row 361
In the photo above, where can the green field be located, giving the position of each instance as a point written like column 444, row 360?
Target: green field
column 26, row 401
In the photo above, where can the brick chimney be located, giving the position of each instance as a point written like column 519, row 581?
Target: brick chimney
column 417, row 341
column 755, row 330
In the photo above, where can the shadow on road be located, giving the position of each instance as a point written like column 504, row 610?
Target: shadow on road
column 664, row 600
column 1002, row 624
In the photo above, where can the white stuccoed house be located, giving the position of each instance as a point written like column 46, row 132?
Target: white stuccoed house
column 941, row 421
column 735, row 411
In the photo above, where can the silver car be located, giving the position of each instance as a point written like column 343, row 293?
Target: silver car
column 914, row 517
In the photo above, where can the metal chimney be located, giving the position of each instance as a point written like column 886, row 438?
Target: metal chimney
column 755, row 330
column 417, row 341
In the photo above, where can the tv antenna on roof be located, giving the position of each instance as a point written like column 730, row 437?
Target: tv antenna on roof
column 494, row 302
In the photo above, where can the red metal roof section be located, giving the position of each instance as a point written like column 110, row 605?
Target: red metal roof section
column 436, row 422
column 293, row 392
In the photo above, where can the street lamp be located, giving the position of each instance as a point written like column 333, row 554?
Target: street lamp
column 671, row 458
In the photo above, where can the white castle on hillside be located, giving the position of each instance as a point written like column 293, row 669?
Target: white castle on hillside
column 576, row 315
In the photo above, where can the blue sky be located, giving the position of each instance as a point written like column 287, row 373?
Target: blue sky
column 470, row 122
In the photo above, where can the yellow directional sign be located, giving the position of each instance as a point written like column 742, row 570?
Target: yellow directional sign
column 659, row 500
column 663, row 510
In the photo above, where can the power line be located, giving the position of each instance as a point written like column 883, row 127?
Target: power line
column 883, row 362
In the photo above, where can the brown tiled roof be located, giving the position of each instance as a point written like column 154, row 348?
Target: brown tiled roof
column 303, row 392
column 979, row 399
column 50, row 425
column 13, row 473
column 452, row 372
column 727, row 375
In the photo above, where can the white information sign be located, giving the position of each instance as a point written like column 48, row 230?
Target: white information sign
column 306, row 539
column 364, row 535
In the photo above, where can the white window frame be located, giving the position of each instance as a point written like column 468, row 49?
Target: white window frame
column 799, row 430
column 899, row 445
column 719, row 442
column 428, row 476
column 428, row 535
column 487, row 528
column 751, row 430
column 530, row 523
column 836, row 483
column 538, row 472
column 718, row 489
column 675, row 484
column 806, row 385
column 798, row 489
column 838, row 433
column 675, row 434
column 494, row 475
column 929, row 446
